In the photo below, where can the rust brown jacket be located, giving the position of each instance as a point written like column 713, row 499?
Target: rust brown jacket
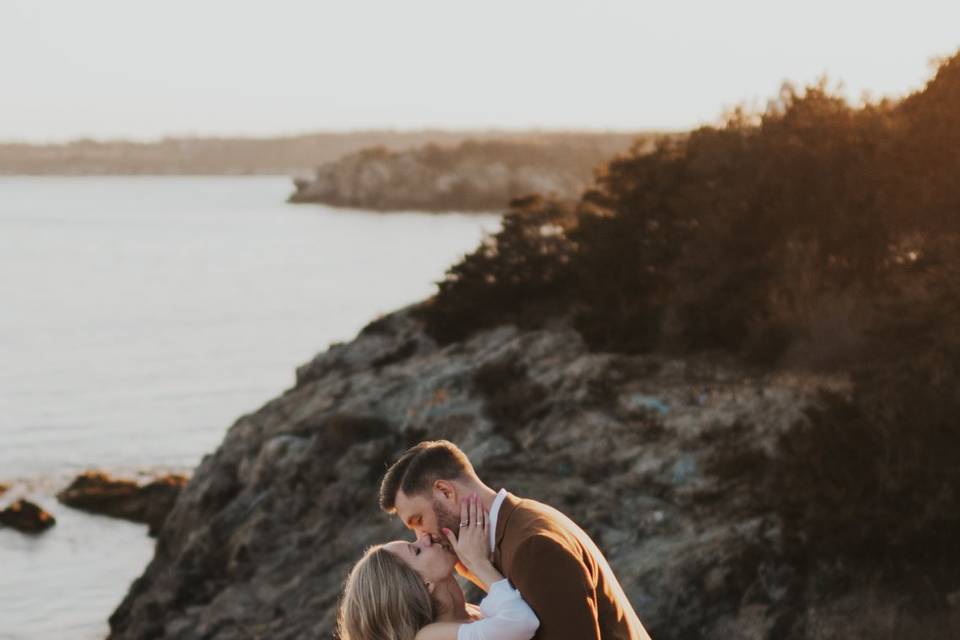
column 562, row 575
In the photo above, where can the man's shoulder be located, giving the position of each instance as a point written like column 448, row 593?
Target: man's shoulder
column 534, row 515
column 535, row 523
column 539, row 539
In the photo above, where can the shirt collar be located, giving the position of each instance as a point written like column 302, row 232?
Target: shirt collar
column 494, row 510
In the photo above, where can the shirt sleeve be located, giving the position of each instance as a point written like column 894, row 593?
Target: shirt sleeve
column 505, row 617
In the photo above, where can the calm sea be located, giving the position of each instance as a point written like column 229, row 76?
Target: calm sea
column 139, row 316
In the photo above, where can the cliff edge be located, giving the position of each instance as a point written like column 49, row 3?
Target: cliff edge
column 632, row 447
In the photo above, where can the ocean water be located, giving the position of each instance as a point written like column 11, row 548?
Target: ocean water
column 139, row 317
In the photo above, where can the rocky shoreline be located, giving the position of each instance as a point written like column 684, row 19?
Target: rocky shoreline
column 647, row 452
column 633, row 447
column 99, row 493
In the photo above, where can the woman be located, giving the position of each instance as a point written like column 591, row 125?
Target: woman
column 407, row 591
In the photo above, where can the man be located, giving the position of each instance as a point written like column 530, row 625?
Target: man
column 554, row 564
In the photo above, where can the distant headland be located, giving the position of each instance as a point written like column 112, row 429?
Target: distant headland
column 475, row 175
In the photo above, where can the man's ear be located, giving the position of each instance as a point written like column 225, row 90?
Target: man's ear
column 445, row 489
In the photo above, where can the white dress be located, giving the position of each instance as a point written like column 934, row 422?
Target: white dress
column 506, row 616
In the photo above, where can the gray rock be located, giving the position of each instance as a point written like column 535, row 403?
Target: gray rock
column 261, row 538
column 149, row 503
column 27, row 517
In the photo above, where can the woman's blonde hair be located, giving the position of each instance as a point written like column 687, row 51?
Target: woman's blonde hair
column 383, row 599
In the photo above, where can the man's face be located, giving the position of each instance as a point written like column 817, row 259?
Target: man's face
column 427, row 514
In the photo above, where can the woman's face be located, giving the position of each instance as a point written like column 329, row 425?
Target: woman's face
column 431, row 561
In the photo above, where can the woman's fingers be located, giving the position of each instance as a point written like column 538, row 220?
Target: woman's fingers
column 450, row 536
column 472, row 537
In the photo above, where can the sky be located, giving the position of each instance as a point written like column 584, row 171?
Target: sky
column 109, row 69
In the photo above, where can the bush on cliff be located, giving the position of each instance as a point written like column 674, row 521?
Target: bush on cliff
column 517, row 276
column 815, row 231
column 740, row 237
column 871, row 481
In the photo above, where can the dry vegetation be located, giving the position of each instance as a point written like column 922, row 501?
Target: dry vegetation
column 815, row 234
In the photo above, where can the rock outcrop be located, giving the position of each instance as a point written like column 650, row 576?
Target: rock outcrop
column 262, row 536
column 97, row 492
column 27, row 517
column 474, row 176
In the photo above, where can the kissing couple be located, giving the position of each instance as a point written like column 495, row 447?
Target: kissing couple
column 543, row 575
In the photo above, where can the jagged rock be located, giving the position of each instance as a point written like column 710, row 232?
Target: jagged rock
column 97, row 492
column 26, row 516
column 262, row 536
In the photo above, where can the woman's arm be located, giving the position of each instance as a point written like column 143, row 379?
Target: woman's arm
column 506, row 617
column 440, row 631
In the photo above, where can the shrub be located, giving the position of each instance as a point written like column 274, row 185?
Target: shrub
column 734, row 237
column 517, row 275
column 872, row 480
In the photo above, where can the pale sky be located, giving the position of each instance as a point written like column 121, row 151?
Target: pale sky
column 144, row 70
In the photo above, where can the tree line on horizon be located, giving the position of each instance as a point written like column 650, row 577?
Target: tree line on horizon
column 814, row 234
column 212, row 155
column 474, row 175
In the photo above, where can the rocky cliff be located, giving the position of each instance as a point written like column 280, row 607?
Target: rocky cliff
column 638, row 449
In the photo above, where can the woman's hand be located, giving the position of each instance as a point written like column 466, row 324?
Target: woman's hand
column 472, row 544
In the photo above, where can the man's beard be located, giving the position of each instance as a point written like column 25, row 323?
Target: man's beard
column 446, row 519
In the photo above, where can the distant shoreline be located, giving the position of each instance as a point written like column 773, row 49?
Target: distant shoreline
column 289, row 156
column 263, row 174
column 476, row 175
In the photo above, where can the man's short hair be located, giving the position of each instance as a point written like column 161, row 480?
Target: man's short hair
column 419, row 467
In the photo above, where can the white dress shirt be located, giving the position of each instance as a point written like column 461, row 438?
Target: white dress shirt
column 505, row 616
column 494, row 510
